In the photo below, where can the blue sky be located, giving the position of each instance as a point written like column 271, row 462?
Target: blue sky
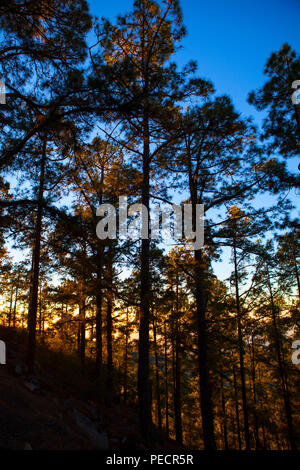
column 230, row 39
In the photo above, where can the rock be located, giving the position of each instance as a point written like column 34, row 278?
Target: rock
column 98, row 439
column 84, row 408
column 32, row 384
column 91, row 411
column 128, row 443
column 27, row 446
column 115, row 443
column 19, row 369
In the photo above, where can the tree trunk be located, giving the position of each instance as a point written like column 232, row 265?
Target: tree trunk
column 144, row 390
column 284, row 385
column 296, row 268
column 109, row 325
column 205, row 388
column 253, row 374
column 166, row 382
column 82, row 343
column 36, row 254
column 241, row 351
column 177, row 401
column 40, row 310
column 10, row 305
column 178, row 413
column 15, row 306
column 126, row 358
column 203, row 364
column 99, row 298
column 173, row 345
column 225, row 433
column 156, row 374
column 237, row 413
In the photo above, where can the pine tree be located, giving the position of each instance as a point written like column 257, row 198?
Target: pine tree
column 281, row 127
column 136, row 54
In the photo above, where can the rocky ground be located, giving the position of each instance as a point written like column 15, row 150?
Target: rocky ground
column 37, row 413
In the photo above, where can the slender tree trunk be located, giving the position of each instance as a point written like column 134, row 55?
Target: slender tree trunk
column 99, row 293
column 178, row 412
column 40, row 310
column 241, row 351
column 36, row 254
column 284, row 387
column 225, row 433
column 82, row 328
column 177, row 404
column 126, row 358
column 253, row 374
column 204, row 376
column 156, row 374
column 173, row 345
column 144, row 389
column 166, row 381
column 78, row 338
column 10, row 305
column 264, row 434
column 237, row 413
column 92, row 325
column 296, row 268
column 99, row 301
column 15, row 307
column 109, row 324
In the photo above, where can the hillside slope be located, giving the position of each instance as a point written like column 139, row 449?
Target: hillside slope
column 45, row 411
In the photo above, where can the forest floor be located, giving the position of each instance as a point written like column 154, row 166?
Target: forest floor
column 58, row 409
